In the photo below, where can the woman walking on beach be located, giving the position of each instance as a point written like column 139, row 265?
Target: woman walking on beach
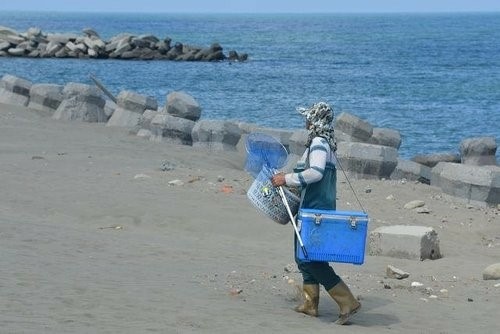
column 315, row 174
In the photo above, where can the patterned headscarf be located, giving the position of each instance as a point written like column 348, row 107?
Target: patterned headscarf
column 320, row 118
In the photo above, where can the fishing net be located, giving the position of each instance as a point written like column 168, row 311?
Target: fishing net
column 264, row 151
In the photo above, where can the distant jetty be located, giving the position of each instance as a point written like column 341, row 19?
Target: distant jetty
column 34, row 43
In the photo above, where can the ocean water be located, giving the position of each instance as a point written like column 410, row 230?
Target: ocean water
column 433, row 77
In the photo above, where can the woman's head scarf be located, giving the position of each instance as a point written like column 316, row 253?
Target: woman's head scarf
column 320, row 120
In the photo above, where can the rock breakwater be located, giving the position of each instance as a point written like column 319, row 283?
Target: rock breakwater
column 34, row 43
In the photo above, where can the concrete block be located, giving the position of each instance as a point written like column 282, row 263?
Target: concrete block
column 478, row 185
column 216, row 135
column 405, row 242
column 354, row 127
column 479, row 151
column 386, row 137
column 411, row 171
column 136, row 102
column 367, row 161
column 177, row 130
column 431, row 160
column 181, row 104
column 297, row 142
column 45, row 98
column 125, row 118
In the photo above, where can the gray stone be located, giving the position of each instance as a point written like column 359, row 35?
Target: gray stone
column 414, row 204
column 95, row 44
column 393, row 272
column 431, row 160
column 61, row 38
column 14, row 90
column 122, row 46
column 367, row 161
column 182, row 105
column 479, row 185
column 109, row 108
column 46, row 98
column 14, row 39
column 405, row 242
column 492, row 272
column 6, row 31
column 136, row 102
column 16, row 85
column 89, row 32
column 298, row 140
column 173, row 129
column 478, row 151
column 51, row 49
column 16, row 52
column 354, row 126
column 146, row 118
column 386, row 137
column 71, row 46
column 4, row 45
column 8, row 97
column 125, row 118
column 411, row 171
column 216, row 135
column 81, row 103
column 144, row 133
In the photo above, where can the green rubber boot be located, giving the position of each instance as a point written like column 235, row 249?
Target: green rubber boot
column 310, row 293
column 348, row 304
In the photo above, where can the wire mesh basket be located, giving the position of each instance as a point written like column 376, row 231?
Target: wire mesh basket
column 266, row 198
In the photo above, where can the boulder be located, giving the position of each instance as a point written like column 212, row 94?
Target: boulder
column 216, row 135
column 16, row 52
column 82, row 103
column 4, row 46
column 89, row 32
column 14, row 90
column 61, row 38
column 478, row 185
column 180, row 104
column 13, row 39
column 367, row 161
column 478, row 151
column 405, row 242
column 492, row 272
column 46, row 98
column 6, row 31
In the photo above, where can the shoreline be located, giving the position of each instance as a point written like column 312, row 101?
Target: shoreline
column 193, row 257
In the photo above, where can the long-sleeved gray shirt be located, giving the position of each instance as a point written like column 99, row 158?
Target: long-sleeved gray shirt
column 320, row 156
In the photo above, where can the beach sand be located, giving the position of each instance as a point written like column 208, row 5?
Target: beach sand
column 95, row 239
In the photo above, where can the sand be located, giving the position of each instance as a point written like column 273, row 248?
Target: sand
column 95, row 239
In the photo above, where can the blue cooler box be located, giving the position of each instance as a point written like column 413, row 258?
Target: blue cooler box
column 332, row 236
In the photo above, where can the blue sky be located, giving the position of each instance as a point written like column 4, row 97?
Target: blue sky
column 255, row 6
